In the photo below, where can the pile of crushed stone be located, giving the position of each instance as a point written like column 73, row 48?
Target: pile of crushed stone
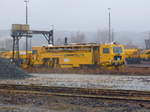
column 11, row 71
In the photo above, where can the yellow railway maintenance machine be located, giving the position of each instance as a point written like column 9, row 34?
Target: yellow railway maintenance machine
column 65, row 56
column 78, row 55
column 72, row 56
column 132, row 56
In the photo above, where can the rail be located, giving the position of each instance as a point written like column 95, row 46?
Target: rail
column 78, row 92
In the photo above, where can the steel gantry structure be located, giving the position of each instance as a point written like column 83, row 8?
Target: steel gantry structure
column 18, row 34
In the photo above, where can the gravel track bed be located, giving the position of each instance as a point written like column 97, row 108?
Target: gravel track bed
column 86, row 81
column 31, row 103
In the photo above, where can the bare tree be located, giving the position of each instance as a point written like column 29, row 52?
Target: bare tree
column 8, row 44
column 102, row 36
column 78, row 37
column 59, row 41
column 130, row 45
column 2, row 44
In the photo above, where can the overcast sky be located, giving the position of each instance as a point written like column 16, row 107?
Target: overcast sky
column 84, row 15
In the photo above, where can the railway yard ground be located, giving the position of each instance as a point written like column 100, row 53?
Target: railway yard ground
column 68, row 92
column 24, row 95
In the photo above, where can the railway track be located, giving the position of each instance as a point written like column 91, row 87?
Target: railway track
column 139, row 65
column 77, row 92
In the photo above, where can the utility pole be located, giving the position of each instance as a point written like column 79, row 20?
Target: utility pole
column 52, row 34
column 110, row 39
column 26, row 4
column 148, row 42
column 113, row 35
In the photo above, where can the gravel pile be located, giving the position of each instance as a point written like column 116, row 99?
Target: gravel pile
column 11, row 71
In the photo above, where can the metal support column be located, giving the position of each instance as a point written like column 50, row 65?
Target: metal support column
column 16, row 53
column 110, row 38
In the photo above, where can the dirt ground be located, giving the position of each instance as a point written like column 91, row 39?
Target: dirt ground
column 127, row 70
column 32, row 103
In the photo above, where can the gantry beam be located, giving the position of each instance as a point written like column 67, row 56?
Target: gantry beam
column 18, row 34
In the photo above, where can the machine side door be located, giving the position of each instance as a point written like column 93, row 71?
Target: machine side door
column 105, row 54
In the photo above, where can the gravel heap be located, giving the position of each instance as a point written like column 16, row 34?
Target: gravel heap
column 11, row 71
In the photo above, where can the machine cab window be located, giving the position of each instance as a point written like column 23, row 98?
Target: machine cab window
column 117, row 50
column 34, row 51
column 106, row 50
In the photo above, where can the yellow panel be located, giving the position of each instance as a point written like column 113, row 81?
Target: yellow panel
column 66, row 66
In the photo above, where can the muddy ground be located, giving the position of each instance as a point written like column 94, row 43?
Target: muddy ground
column 32, row 103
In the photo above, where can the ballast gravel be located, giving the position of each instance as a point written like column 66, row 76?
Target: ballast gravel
column 8, row 70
